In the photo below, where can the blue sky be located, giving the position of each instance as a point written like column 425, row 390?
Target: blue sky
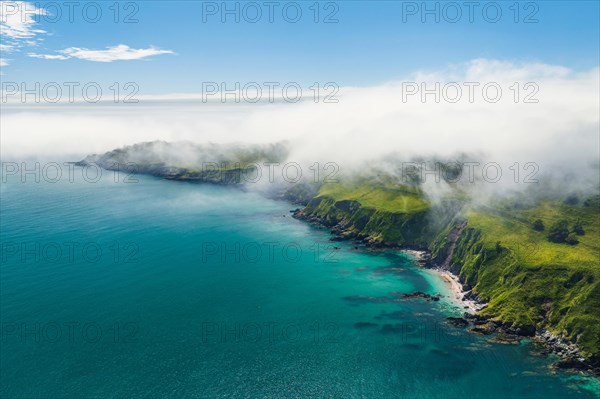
column 370, row 43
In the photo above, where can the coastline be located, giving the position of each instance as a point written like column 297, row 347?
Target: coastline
column 423, row 258
column 457, row 292
column 568, row 352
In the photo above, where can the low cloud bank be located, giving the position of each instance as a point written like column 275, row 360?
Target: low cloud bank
column 545, row 114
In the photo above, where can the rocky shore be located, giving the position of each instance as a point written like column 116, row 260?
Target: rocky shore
column 569, row 354
column 475, row 323
column 507, row 333
column 340, row 234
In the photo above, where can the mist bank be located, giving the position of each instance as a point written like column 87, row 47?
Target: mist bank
column 271, row 168
column 545, row 114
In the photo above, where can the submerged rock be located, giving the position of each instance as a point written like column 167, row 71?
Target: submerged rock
column 389, row 270
column 503, row 338
column 571, row 363
column 483, row 329
column 396, row 297
column 362, row 324
column 417, row 294
column 475, row 318
column 457, row 321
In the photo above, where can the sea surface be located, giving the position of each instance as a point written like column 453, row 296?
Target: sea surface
column 159, row 289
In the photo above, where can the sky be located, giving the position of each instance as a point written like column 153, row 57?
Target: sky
column 364, row 69
column 170, row 47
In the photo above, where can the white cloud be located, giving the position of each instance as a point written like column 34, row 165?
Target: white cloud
column 17, row 19
column 6, row 48
column 48, row 56
column 478, row 69
column 17, row 24
column 121, row 52
column 367, row 123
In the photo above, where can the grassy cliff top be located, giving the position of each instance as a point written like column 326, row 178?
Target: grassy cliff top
column 377, row 195
column 531, row 280
column 193, row 157
column 525, row 278
column 513, row 229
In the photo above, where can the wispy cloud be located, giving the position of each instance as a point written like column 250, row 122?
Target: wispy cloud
column 5, row 47
column 48, row 56
column 18, row 27
column 18, row 24
column 121, row 52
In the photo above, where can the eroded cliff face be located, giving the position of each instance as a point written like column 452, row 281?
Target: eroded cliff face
column 349, row 219
column 521, row 296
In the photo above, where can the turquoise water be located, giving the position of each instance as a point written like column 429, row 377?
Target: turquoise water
column 204, row 291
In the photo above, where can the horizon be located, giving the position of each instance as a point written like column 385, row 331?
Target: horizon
column 300, row 199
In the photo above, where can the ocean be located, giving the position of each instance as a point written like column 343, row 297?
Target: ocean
column 157, row 289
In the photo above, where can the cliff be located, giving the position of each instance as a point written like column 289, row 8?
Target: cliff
column 500, row 250
column 529, row 283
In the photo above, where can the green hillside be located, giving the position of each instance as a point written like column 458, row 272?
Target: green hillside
column 385, row 197
column 378, row 213
column 529, row 280
column 526, row 278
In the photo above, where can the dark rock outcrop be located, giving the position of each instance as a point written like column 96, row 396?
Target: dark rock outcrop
column 457, row 321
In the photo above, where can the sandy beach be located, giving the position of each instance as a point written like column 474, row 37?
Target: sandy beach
column 457, row 292
column 456, row 288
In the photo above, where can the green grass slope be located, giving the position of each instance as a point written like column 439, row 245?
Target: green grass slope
column 525, row 278
column 379, row 212
column 529, row 280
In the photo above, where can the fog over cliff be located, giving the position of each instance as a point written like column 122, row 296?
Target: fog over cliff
column 553, row 123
